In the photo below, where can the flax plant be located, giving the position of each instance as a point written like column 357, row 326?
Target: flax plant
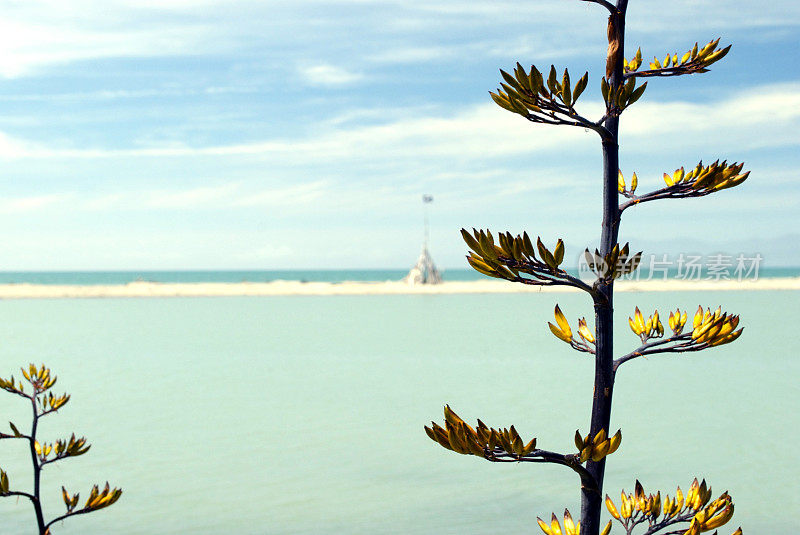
column 547, row 97
column 43, row 403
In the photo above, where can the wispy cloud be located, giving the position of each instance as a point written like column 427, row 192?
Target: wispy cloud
column 486, row 132
column 40, row 33
column 279, row 122
column 13, row 148
column 117, row 94
column 328, row 75
column 480, row 131
column 223, row 196
column 758, row 117
column 32, row 203
column 482, row 156
column 412, row 54
column 285, row 197
column 189, row 199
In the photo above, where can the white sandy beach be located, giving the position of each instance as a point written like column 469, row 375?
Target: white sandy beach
column 283, row 288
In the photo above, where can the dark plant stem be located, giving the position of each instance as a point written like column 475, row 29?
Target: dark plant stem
column 592, row 499
column 37, row 469
column 62, row 517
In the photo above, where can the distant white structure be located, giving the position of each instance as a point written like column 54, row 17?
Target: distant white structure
column 424, row 271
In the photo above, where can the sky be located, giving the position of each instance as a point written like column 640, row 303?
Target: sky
column 202, row 134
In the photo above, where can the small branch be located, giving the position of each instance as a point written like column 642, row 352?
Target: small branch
column 543, row 456
column 18, row 493
column 4, row 436
column 534, row 456
column 73, row 513
column 17, row 392
column 567, row 280
column 686, row 517
column 636, row 521
column 698, row 182
column 578, row 121
column 685, row 345
column 581, row 346
column 608, row 5
column 48, row 411
column 515, row 260
column 678, row 191
column 54, row 459
column 543, row 275
column 539, row 105
column 642, row 351
column 663, row 72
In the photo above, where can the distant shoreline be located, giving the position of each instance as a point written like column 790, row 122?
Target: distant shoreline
column 287, row 288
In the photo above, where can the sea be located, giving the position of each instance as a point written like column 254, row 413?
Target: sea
column 331, row 275
column 304, row 414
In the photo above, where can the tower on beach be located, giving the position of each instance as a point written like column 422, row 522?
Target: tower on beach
column 424, row 271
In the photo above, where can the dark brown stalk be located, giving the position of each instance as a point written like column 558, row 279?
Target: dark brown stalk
column 592, row 499
column 37, row 469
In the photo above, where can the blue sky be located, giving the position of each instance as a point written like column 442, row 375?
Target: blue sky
column 278, row 135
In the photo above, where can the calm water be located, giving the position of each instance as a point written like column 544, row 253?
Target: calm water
column 333, row 275
column 304, row 415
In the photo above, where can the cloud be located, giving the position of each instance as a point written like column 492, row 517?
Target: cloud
column 189, row 199
column 693, row 15
column 328, row 75
column 412, row 54
column 37, row 34
column 118, row 94
column 284, row 197
column 759, row 117
column 32, row 204
column 222, row 196
column 42, row 34
column 482, row 131
column 13, row 148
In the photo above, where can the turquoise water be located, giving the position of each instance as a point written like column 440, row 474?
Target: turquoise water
column 304, row 415
column 124, row 277
column 333, row 275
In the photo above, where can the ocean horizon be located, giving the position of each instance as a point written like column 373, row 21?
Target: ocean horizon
column 113, row 277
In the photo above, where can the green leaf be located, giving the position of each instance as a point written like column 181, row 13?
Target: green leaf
column 470, row 241
column 637, row 93
column 579, row 87
column 552, row 83
column 558, row 252
column 566, row 91
column 537, row 82
column 522, row 78
column 511, row 80
column 604, row 89
column 503, row 103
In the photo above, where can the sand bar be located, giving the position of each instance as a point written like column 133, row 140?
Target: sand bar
column 282, row 288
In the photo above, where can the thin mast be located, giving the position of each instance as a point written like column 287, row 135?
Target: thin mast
column 426, row 200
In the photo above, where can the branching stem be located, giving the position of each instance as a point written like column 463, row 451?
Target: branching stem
column 592, row 502
column 588, row 482
column 683, row 343
column 72, row 513
column 37, row 468
column 608, row 5
column 578, row 121
column 542, row 279
column 677, row 191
